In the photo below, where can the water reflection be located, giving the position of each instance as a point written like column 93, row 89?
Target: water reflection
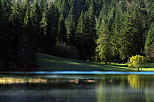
column 11, row 80
column 136, row 81
column 100, row 90
column 78, row 88
column 125, row 88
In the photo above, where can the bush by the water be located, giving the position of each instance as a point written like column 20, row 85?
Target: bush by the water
column 137, row 61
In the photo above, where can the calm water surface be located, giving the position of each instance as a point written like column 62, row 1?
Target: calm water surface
column 78, row 88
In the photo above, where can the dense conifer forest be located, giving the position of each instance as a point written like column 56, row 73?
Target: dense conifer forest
column 95, row 30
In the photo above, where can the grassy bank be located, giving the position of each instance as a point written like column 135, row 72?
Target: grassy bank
column 53, row 63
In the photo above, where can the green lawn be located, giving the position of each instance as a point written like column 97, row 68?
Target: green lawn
column 53, row 63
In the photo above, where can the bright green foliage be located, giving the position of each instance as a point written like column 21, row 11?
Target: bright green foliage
column 116, row 37
column 103, row 49
column 27, row 19
column 137, row 62
column 111, row 18
column 81, row 25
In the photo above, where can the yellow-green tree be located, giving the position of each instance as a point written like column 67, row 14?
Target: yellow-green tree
column 137, row 62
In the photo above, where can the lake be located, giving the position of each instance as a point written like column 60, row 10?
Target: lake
column 90, row 87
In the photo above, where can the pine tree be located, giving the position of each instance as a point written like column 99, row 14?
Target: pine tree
column 151, row 18
column 15, row 20
column 80, row 36
column 44, row 20
column 62, row 33
column 103, row 49
column 35, row 16
column 111, row 18
column 149, row 45
column 16, row 15
column 116, row 35
column 47, row 39
column 70, row 26
column 91, row 32
column 27, row 19
column 26, row 5
column 52, row 27
column 130, row 40
column 65, row 8
column 86, row 34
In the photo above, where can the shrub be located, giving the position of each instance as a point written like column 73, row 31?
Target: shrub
column 137, row 62
column 66, row 51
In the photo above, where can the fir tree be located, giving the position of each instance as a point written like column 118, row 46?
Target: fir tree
column 103, row 49
column 149, row 45
column 70, row 26
column 80, row 36
column 62, row 33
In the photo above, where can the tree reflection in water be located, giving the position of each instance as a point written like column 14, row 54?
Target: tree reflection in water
column 125, row 88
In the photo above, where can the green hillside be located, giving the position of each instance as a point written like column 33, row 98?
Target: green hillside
column 53, row 63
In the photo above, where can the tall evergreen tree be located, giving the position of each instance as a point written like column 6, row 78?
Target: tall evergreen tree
column 103, row 49
column 53, row 18
column 70, row 26
column 130, row 40
column 80, row 36
column 86, row 34
column 62, row 33
column 149, row 45
column 35, row 16
column 90, row 21
column 15, row 20
column 43, row 27
column 116, row 34
column 64, row 7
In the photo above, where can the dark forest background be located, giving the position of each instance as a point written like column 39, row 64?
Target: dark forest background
column 95, row 30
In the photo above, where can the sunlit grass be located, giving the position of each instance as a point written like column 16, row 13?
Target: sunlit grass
column 53, row 63
column 10, row 80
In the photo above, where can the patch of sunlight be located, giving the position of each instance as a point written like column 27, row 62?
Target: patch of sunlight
column 48, row 60
column 94, row 65
column 147, row 69
column 76, row 63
